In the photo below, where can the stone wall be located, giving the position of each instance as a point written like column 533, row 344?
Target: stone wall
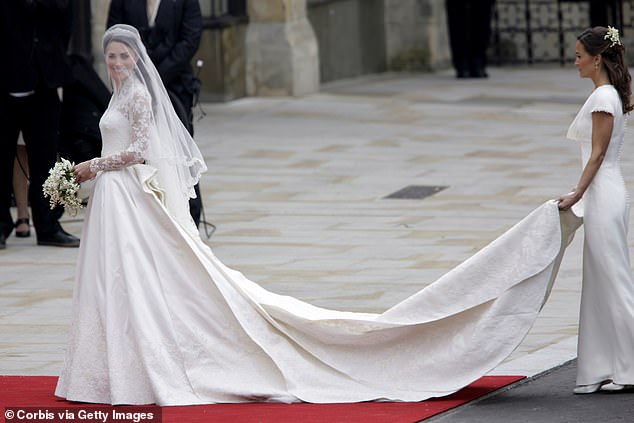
column 223, row 75
column 289, row 47
column 358, row 37
column 281, row 49
column 351, row 37
column 416, row 35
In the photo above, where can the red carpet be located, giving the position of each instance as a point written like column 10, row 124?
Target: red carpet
column 37, row 391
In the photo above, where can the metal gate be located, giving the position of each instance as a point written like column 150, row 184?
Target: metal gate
column 544, row 31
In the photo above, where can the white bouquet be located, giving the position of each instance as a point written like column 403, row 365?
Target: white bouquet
column 61, row 187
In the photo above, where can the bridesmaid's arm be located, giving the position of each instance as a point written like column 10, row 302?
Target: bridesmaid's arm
column 602, row 124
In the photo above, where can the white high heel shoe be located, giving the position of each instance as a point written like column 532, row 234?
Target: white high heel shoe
column 615, row 387
column 588, row 389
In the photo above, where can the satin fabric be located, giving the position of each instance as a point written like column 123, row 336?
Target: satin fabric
column 606, row 320
column 157, row 318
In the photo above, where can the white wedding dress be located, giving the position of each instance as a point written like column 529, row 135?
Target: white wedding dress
column 157, row 318
column 606, row 321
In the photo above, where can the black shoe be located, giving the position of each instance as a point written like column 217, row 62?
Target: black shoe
column 461, row 73
column 3, row 241
column 60, row 238
column 478, row 72
column 22, row 234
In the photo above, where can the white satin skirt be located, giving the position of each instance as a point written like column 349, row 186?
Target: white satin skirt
column 606, row 318
column 157, row 318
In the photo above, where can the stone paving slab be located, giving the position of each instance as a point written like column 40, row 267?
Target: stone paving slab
column 297, row 187
column 547, row 398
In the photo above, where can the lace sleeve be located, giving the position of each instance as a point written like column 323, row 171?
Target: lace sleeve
column 140, row 120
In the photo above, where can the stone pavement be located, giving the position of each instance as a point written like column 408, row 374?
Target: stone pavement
column 547, row 399
column 297, row 189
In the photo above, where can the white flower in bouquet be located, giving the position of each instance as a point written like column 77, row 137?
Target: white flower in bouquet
column 61, row 187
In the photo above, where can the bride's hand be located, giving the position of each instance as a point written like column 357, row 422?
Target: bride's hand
column 82, row 172
column 568, row 200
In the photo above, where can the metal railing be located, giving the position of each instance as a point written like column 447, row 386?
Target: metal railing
column 543, row 31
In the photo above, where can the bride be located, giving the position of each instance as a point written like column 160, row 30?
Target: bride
column 157, row 318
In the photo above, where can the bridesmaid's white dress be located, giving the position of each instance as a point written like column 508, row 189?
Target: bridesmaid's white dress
column 606, row 322
column 157, row 318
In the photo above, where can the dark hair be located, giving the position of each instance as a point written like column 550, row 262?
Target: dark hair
column 595, row 42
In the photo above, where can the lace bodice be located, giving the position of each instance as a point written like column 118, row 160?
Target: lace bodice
column 603, row 99
column 125, row 128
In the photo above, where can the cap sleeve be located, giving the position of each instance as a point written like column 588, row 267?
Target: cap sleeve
column 605, row 100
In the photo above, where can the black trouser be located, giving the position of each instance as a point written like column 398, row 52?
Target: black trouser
column 469, row 23
column 603, row 13
column 37, row 116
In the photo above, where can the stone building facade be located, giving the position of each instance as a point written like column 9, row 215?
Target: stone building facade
column 291, row 47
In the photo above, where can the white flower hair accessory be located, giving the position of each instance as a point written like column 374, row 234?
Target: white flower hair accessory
column 613, row 35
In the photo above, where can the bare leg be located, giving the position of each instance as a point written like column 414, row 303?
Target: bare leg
column 21, row 187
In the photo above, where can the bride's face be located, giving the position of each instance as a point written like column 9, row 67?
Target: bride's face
column 120, row 60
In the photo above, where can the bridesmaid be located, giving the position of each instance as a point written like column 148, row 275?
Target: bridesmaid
column 606, row 322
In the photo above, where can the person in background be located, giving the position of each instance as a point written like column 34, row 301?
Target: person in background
column 170, row 30
column 34, row 35
column 469, row 23
column 603, row 12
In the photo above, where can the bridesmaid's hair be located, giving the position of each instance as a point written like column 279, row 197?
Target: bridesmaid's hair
column 595, row 43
